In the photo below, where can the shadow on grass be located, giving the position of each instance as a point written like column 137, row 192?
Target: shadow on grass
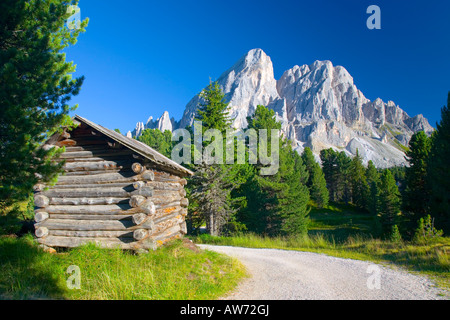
column 27, row 272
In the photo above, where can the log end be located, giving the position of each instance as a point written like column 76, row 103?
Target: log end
column 148, row 175
column 137, row 168
column 39, row 187
column 136, row 201
column 183, row 227
column 138, row 185
column 41, row 201
column 148, row 207
column 184, row 202
column 139, row 218
column 41, row 216
column 140, row 234
column 41, row 232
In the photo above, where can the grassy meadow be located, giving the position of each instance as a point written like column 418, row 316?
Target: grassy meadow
column 175, row 272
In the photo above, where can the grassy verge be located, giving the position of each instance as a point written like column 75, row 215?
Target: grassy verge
column 172, row 272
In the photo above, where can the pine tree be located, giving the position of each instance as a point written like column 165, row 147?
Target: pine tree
column 35, row 88
column 213, row 187
column 331, row 172
column 160, row 141
column 416, row 196
column 213, row 184
column 373, row 181
column 336, row 166
column 283, row 197
column 438, row 171
column 344, row 165
column 358, row 180
column 212, row 110
column 293, row 201
column 316, row 183
column 389, row 200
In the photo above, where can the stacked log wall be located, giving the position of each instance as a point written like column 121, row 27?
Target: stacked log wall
column 109, row 195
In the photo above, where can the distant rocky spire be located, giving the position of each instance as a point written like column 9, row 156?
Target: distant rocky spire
column 318, row 105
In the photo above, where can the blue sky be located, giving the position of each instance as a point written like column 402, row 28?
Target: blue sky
column 143, row 57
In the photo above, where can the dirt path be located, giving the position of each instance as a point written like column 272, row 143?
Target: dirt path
column 293, row 275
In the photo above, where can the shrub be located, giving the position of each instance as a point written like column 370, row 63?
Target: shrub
column 426, row 230
column 395, row 236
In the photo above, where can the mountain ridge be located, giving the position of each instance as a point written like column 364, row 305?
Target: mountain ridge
column 318, row 105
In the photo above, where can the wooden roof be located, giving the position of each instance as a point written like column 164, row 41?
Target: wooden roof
column 138, row 147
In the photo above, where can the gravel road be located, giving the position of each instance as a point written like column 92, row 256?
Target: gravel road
column 294, row 275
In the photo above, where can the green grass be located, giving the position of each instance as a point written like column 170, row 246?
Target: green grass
column 171, row 272
column 339, row 221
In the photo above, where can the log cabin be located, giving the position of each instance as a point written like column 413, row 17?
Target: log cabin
column 115, row 191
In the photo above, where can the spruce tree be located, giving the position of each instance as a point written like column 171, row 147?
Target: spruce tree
column 213, row 184
column 358, row 180
column 336, row 166
column 417, row 196
column 36, row 86
column 212, row 110
column 438, row 171
column 345, row 185
column 373, row 181
column 160, row 141
column 279, row 200
column 389, row 200
column 316, row 183
column 331, row 172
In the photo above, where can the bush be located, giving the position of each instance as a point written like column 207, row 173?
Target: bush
column 395, row 236
column 13, row 218
column 426, row 230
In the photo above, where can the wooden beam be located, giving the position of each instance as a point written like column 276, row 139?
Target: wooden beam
column 110, row 243
column 94, row 166
column 88, row 201
column 106, row 192
column 93, row 225
column 92, row 234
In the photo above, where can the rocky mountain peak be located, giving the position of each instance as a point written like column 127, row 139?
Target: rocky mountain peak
column 163, row 123
column 318, row 105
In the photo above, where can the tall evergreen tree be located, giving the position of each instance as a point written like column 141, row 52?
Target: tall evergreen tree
column 416, row 196
column 389, row 200
column 344, row 165
column 280, row 200
column 316, row 183
column 336, row 167
column 160, row 141
column 358, row 180
column 373, row 181
column 35, row 88
column 331, row 172
column 438, row 171
column 212, row 110
column 213, row 184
